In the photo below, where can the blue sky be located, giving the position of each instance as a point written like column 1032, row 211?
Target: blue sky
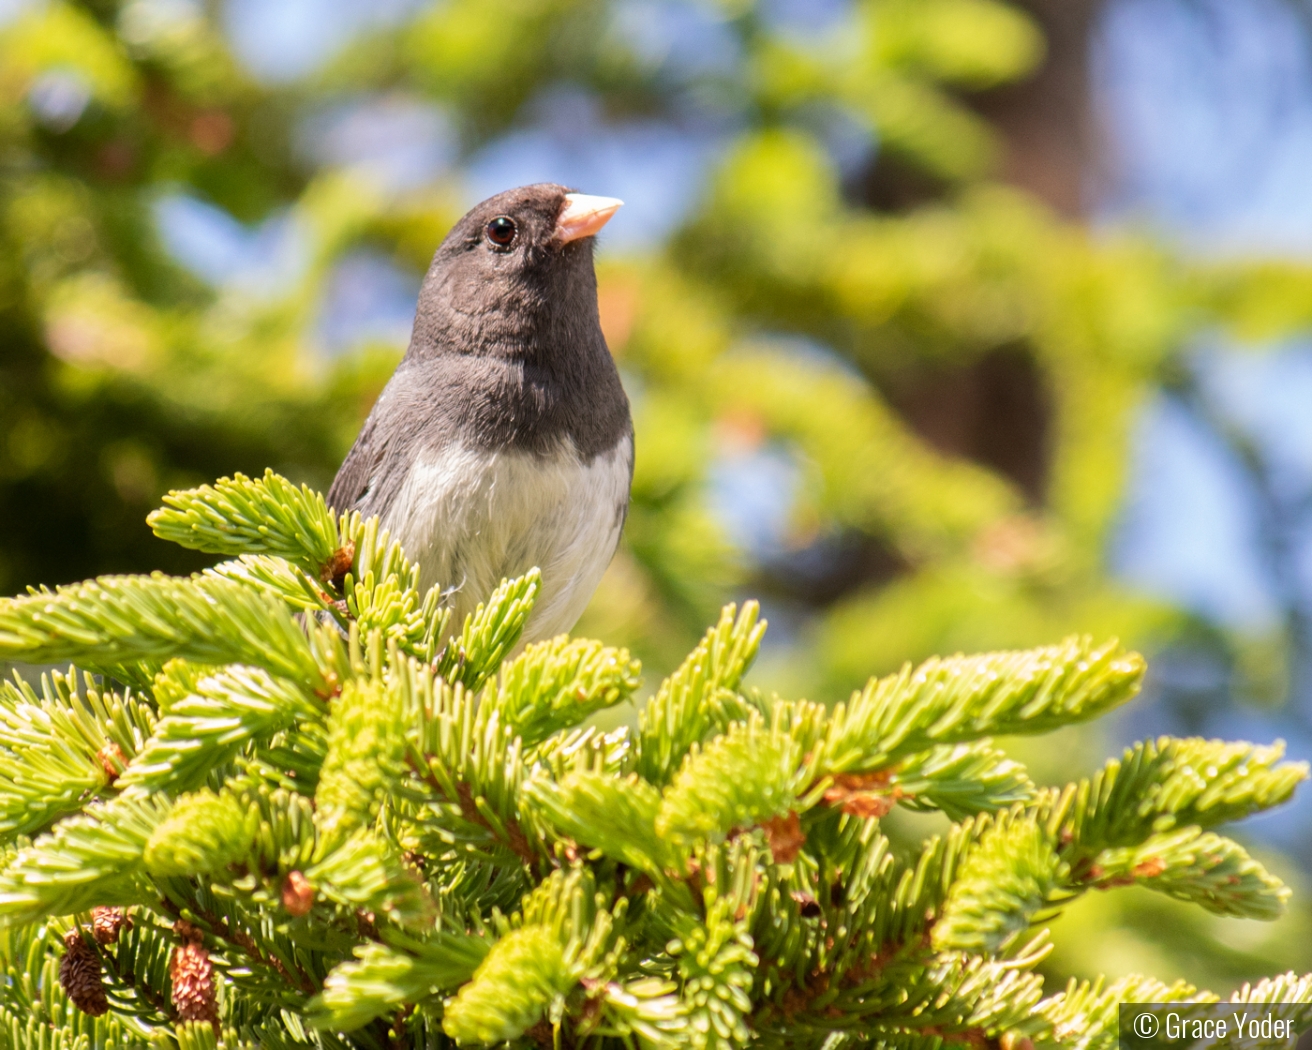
column 1208, row 104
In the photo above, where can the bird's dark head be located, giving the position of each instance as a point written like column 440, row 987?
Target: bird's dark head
column 514, row 277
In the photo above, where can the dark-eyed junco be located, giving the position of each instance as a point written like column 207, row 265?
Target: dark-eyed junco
column 503, row 440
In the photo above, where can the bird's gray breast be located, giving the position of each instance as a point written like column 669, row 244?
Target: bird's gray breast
column 471, row 517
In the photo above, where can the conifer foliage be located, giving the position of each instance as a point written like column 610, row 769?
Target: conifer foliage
column 284, row 803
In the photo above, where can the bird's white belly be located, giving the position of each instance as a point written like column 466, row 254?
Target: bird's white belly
column 471, row 519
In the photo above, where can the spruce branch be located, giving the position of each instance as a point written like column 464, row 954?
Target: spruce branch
column 286, row 838
column 209, row 717
column 359, row 838
column 569, row 903
column 1142, row 819
column 585, row 747
column 698, row 697
column 137, row 968
column 202, row 834
column 471, row 766
column 490, row 632
column 241, row 515
column 744, row 777
column 983, row 996
column 60, row 747
column 715, row 965
column 220, row 921
column 280, row 578
column 1009, row 875
column 367, row 872
column 891, row 906
column 946, row 701
column 1201, row 867
column 88, row 860
column 1285, row 988
column 523, row 974
column 562, row 937
column 365, row 760
column 115, row 620
column 383, row 978
column 645, row 1008
column 1169, row 783
column 556, row 684
column 1085, row 1015
column 382, row 595
column 959, row 779
column 616, row 816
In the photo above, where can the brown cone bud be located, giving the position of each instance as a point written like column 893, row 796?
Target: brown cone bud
column 786, row 837
column 334, row 570
column 297, row 894
column 188, row 931
column 108, row 923
column 193, row 983
column 112, row 761
column 79, row 975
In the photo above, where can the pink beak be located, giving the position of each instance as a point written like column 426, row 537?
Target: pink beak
column 583, row 216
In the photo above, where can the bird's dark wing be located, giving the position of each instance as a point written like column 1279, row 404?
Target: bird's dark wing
column 357, row 471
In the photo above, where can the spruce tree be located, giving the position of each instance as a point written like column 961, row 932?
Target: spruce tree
column 285, row 803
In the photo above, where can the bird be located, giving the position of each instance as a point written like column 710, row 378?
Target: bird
column 504, row 439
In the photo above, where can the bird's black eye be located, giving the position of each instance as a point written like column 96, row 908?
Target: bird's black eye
column 501, row 231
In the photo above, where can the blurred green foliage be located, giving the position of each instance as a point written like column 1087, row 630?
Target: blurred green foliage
column 122, row 376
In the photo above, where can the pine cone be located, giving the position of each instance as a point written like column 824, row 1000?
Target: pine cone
column 193, row 983
column 107, row 923
column 79, row 975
